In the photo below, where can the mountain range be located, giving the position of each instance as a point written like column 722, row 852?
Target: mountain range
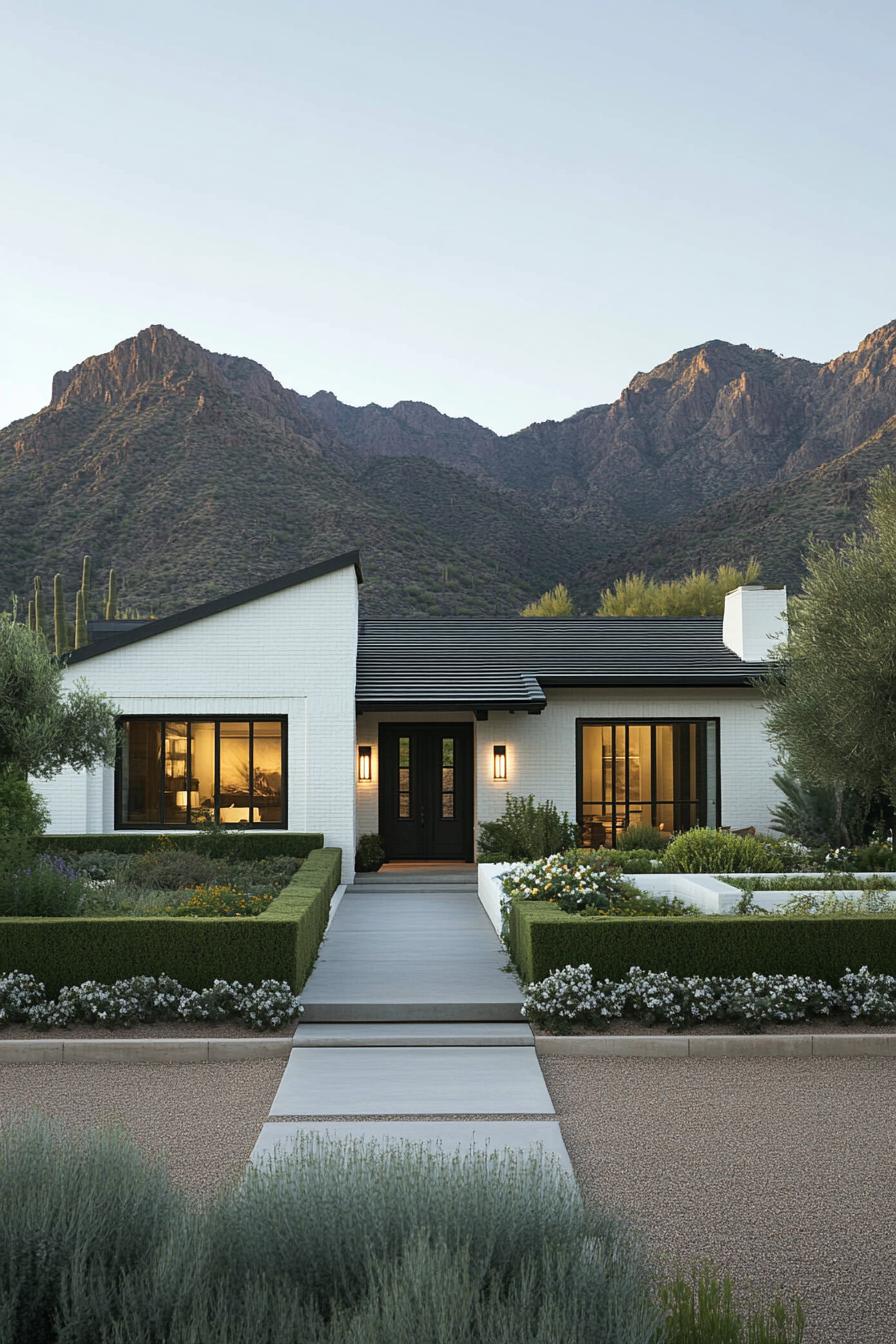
column 197, row 473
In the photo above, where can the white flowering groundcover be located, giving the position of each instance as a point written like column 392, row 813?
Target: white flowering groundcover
column 145, row 998
column 572, row 997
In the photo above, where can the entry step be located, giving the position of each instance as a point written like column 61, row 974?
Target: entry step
column 312, row 1035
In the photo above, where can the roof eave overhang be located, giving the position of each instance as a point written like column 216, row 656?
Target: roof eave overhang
column 448, row 706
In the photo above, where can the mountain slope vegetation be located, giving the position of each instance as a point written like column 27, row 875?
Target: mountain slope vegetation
column 197, row 473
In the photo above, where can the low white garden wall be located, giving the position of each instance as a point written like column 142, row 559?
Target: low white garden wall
column 712, row 895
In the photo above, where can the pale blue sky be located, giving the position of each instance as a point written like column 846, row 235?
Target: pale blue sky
column 505, row 208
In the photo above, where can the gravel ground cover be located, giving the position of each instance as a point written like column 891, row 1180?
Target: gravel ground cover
column 203, row 1119
column 779, row 1170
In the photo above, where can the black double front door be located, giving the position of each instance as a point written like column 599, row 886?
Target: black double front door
column 426, row 790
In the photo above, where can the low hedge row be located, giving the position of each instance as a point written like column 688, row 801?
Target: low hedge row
column 543, row 939
column 240, row 844
column 280, row 944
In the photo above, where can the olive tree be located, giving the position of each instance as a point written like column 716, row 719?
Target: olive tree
column 44, row 727
column 831, row 693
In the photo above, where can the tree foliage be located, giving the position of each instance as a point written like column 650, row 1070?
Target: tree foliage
column 555, row 602
column 831, row 693
column 699, row 593
column 42, row 726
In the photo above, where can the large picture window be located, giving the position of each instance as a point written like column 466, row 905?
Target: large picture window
column 186, row 772
column 649, row 773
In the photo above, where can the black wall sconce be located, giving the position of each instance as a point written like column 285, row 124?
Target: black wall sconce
column 500, row 762
column 364, row 764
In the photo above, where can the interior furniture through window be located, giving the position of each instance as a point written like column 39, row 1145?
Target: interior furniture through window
column 186, row 772
column 654, row 772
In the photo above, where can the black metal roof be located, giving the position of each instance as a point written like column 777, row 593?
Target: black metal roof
column 508, row 664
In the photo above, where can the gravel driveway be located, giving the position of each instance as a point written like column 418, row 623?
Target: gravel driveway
column 202, row 1118
column 779, row 1170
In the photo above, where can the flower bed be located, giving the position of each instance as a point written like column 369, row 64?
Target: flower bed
column 145, row 998
column 280, row 943
column 573, row 996
column 579, row 886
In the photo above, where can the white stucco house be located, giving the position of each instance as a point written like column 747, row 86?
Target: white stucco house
column 277, row 707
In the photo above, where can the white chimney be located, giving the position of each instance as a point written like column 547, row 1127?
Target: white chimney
column 755, row 621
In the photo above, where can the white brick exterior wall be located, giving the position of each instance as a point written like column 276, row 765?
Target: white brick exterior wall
column 541, row 749
column 291, row 653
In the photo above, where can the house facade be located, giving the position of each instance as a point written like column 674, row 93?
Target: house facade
column 276, row 708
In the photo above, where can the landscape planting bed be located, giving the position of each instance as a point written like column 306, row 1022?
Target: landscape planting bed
column 280, row 943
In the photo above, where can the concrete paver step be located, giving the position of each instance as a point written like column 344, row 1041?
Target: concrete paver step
column 314, row 1035
column 390, row 1080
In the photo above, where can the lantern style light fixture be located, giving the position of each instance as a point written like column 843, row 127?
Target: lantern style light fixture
column 500, row 762
column 364, row 764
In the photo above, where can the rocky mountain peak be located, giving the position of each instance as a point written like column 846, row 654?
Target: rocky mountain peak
column 155, row 354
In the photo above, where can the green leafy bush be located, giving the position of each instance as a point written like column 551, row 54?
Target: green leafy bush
column 704, row 850
column 45, row 887
column 526, row 830
column 817, row 815
column 22, row 811
column 642, row 837
column 370, row 855
column 334, row 1243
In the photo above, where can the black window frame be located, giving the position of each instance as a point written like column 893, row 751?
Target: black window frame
column 217, row 719
column 702, row 801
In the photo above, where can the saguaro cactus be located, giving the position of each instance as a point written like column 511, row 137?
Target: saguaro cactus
column 111, row 596
column 30, row 614
column 80, row 621
column 59, row 629
column 85, row 584
column 38, row 606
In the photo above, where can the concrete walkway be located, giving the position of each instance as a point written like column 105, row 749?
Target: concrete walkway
column 410, row 1012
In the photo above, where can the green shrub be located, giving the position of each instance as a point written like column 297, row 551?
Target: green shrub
column 526, row 830
column 78, row 1208
column 700, row 1309
column 242, row 842
column 637, row 860
column 370, row 855
column 642, row 837
column 704, row 850
column 544, row 939
column 876, row 857
column 22, row 811
column 45, row 887
column 280, row 944
column 334, row 1243
column 816, row 815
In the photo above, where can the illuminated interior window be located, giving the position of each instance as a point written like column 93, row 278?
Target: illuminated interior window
column 186, row 772
column 647, row 774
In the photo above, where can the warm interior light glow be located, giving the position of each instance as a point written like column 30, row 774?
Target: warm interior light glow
column 181, row 798
column 364, row 755
column 500, row 758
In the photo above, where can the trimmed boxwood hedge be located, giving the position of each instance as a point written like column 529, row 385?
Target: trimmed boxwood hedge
column 240, row 844
column 280, row 944
column 543, row 938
